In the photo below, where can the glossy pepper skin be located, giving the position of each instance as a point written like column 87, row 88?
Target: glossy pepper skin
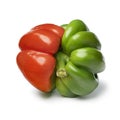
column 36, row 59
column 72, row 28
column 37, row 67
column 79, row 61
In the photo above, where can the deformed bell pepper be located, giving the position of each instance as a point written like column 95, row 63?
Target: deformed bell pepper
column 67, row 57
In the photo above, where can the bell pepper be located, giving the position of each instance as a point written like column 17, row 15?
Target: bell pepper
column 36, row 59
column 79, row 62
column 67, row 57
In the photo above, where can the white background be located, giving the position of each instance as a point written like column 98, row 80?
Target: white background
column 19, row 100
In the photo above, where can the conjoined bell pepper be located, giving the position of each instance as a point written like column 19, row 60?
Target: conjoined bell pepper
column 66, row 57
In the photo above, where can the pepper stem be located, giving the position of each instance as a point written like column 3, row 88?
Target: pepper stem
column 61, row 73
column 62, row 59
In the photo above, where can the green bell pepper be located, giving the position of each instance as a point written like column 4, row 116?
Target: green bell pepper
column 79, row 61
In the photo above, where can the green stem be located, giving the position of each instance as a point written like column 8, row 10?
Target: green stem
column 62, row 59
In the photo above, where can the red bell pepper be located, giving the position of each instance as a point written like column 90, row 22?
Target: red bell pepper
column 36, row 60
